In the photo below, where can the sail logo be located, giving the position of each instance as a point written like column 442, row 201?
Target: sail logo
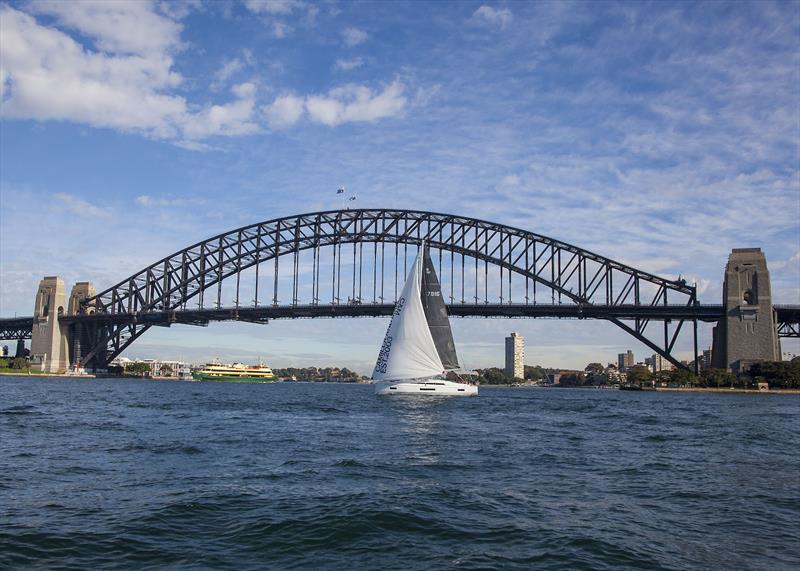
column 386, row 348
column 383, row 355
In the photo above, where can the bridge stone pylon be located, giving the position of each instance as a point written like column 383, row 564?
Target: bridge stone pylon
column 747, row 333
column 49, row 343
column 56, row 345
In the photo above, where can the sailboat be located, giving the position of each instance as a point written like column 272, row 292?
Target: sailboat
column 418, row 350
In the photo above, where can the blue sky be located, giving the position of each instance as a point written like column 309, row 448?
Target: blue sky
column 659, row 134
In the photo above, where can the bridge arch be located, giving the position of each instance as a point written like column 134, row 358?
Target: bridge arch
column 572, row 274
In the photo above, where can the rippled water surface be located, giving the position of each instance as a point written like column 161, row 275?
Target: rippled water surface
column 138, row 474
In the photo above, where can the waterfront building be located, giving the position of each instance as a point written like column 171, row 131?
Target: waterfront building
column 158, row 368
column 613, row 375
column 706, row 361
column 659, row 364
column 515, row 356
column 625, row 361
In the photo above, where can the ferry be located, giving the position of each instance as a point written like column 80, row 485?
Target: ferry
column 236, row 372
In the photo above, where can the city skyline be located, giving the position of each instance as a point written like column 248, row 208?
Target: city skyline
column 643, row 133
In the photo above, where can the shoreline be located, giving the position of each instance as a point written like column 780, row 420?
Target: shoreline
column 672, row 389
column 728, row 390
column 57, row 375
column 506, row 386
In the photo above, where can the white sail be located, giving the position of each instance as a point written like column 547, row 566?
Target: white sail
column 408, row 350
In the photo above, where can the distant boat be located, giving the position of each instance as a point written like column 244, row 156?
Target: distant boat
column 236, row 372
column 77, row 371
column 418, row 351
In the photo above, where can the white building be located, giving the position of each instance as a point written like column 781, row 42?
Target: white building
column 158, row 368
column 660, row 363
column 515, row 356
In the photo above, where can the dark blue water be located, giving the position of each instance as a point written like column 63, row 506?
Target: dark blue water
column 139, row 474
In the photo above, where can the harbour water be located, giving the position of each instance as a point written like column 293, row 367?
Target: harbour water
column 141, row 474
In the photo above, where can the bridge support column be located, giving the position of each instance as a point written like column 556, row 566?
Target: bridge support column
column 747, row 333
column 79, row 335
column 49, row 343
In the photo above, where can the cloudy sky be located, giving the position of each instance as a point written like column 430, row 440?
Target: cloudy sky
column 658, row 134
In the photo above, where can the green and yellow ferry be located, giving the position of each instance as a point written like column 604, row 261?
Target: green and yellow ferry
column 236, row 372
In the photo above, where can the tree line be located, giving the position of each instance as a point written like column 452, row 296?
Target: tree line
column 17, row 364
column 316, row 373
column 497, row 376
column 779, row 375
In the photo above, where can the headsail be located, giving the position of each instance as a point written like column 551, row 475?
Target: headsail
column 436, row 314
column 408, row 350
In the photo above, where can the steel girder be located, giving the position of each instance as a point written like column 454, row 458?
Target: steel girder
column 16, row 328
column 787, row 318
column 572, row 274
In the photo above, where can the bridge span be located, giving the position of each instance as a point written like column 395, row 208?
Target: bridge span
column 350, row 263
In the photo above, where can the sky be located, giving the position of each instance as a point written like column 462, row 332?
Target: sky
column 657, row 134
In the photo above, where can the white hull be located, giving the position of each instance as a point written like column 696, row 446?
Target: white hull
column 435, row 387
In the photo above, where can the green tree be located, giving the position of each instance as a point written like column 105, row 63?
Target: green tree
column 534, row 373
column 681, row 377
column 779, row 374
column 494, row 376
column 139, row 369
column 717, row 378
column 638, row 375
column 594, row 368
column 166, row 370
column 19, row 363
column 572, row 380
column 3, row 363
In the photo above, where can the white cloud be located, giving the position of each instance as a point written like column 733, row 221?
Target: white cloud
column 274, row 7
column 147, row 201
column 228, row 69
column 280, row 29
column 48, row 75
column 120, row 27
column 511, row 180
column 499, row 18
column 80, row 207
column 195, row 145
column 348, row 64
column 353, row 36
column 230, row 119
column 354, row 103
column 178, row 9
column 286, row 110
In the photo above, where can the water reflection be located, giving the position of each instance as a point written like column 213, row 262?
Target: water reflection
column 419, row 415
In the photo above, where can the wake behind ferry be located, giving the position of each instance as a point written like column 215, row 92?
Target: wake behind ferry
column 235, row 372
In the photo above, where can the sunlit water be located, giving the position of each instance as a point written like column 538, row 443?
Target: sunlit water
column 139, row 474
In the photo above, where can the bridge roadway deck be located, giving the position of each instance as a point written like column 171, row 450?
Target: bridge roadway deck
column 20, row 327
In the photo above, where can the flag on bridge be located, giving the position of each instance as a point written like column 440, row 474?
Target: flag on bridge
column 340, row 190
column 352, row 197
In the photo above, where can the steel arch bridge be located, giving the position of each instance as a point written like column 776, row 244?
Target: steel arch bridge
column 351, row 263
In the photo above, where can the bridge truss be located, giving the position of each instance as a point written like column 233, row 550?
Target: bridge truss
column 323, row 262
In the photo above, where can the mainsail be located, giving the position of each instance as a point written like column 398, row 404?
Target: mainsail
column 436, row 314
column 418, row 343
